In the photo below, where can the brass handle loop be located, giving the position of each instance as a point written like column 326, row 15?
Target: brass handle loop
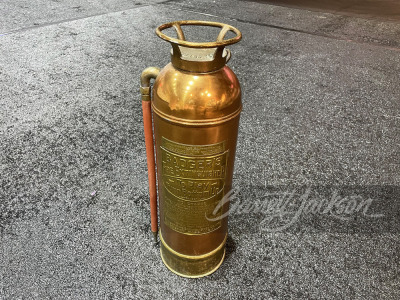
column 220, row 42
column 179, row 31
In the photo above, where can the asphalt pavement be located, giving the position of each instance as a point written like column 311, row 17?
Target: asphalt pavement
column 316, row 213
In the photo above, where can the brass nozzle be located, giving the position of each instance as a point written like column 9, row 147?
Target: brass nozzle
column 147, row 75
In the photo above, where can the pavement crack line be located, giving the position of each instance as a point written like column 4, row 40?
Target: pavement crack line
column 79, row 18
column 284, row 28
column 167, row 3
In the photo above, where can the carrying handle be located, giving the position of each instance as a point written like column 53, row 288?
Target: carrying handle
column 145, row 90
column 199, row 57
column 220, row 42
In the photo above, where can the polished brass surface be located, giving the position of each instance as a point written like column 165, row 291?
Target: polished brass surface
column 197, row 98
column 196, row 107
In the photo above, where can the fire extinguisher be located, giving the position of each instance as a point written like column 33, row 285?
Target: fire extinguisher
column 195, row 107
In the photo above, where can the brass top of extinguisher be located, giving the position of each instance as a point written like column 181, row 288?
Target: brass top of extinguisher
column 196, row 98
column 197, row 88
column 195, row 56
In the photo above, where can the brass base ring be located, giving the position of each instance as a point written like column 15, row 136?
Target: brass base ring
column 192, row 266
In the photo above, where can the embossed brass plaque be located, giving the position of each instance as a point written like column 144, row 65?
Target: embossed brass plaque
column 193, row 178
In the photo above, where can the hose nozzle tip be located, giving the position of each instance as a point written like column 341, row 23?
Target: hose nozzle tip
column 155, row 234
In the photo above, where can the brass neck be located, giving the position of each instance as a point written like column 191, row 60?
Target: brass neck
column 199, row 60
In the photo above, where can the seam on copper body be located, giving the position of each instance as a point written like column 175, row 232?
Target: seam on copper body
column 196, row 122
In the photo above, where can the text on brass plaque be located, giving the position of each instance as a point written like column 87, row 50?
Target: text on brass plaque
column 193, row 178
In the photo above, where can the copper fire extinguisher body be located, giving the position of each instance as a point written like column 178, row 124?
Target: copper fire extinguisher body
column 196, row 107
